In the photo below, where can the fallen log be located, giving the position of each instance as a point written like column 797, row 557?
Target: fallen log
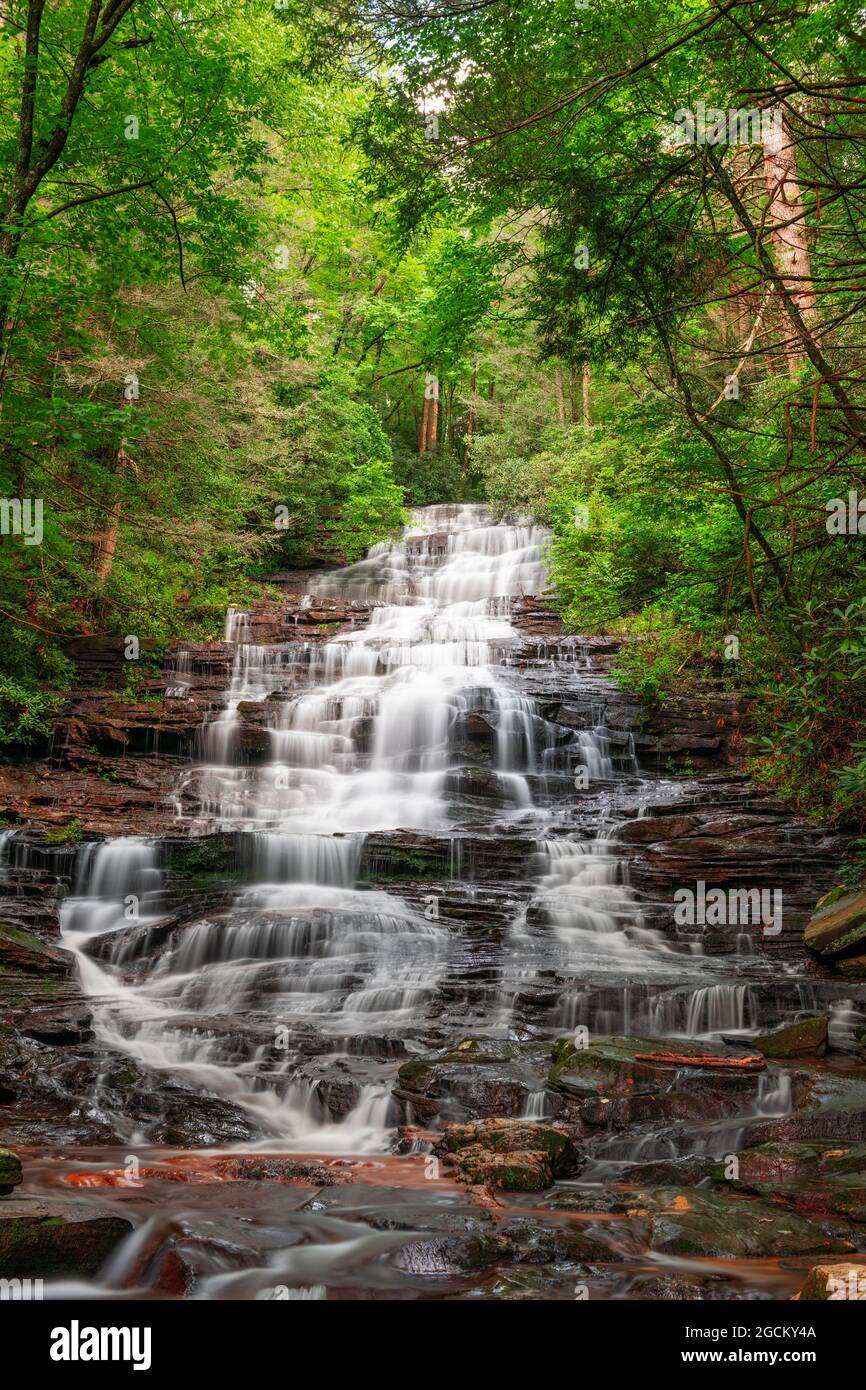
column 682, row 1059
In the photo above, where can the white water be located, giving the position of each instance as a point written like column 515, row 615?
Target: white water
column 362, row 733
column 267, row 1002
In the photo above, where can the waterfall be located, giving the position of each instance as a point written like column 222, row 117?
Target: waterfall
column 362, row 734
column 295, row 995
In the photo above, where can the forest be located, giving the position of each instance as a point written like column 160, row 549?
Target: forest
column 235, row 259
column 589, row 276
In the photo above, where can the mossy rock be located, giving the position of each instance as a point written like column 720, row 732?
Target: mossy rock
column 699, row 1223
column 56, row 1239
column 415, row 1075
column 526, row 1170
column 21, row 950
column 834, row 1281
column 69, row 834
column 777, row 1164
column 840, row 891
column 515, row 1136
column 850, row 1201
column 805, row 1038
column 10, row 1171
column 838, row 927
column 203, row 857
column 608, row 1065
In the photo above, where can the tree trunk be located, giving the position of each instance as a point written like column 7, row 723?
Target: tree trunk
column 422, row 433
column 106, row 542
column 585, row 380
column 470, row 429
column 787, row 218
column 433, row 419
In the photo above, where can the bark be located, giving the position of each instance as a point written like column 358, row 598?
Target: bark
column 808, row 339
column 106, row 542
column 422, row 433
column 788, row 229
column 585, row 381
column 470, row 423
column 433, row 423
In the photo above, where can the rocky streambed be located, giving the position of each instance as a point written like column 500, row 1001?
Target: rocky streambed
column 387, row 949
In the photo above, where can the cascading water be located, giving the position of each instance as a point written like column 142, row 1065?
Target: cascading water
column 294, row 999
column 364, row 736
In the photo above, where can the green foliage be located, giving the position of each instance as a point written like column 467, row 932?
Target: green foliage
column 812, row 719
column 69, row 834
column 280, row 261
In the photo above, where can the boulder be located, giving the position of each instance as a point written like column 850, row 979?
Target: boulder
column 838, row 926
column 618, row 1065
column 775, row 1165
column 698, row 1223
column 514, row 1136
column 805, row 1038
column 834, row 1281
column 20, row 950
column 525, row 1170
column 10, row 1171
column 56, row 1239
column 478, row 1078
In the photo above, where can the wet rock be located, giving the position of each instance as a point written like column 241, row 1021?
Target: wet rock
column 510, row 1155
column 479, row 784
column 838, row 925
column 807, row 1037
column 461, row 1239
column 452, row 1239
column 173, row 1275
column 20, row 950
column 647, row 829
column 699, row 1223
column 677, row 1288
column 10, row 1171
column 847, row 1198
column 834, row 1281
column 668, row 1172
column 404, row 855
column 167, row 1112
column 616, row 1065
column 524, row 1170
column 479, row 1078
column 55, row 1239
column 60, row 1027
column 777, row 1164
column 840, row 1122
column 291, row 1170
column 500, row 1136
